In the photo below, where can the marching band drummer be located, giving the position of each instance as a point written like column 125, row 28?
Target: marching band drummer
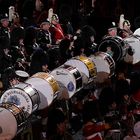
column 112, row 30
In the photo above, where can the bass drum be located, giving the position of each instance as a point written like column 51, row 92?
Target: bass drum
column 70, row 77
column 114, row 46
column 105, row 66
column 47, row 87
column 12, row 119
column 134, row 42
column 24, row 96
column 86, row 66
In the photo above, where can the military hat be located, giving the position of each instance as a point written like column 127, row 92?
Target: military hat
column 3, row 17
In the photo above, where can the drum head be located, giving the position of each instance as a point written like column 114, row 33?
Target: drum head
column 8, row 123
column 67, row 76
column 112, row 46
column 105, row 66
column 134, row 43
column 84, row 65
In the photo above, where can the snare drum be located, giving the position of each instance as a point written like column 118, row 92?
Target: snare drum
column 134, row 42
column 70, row 77
column 105, row 65
column 11, row 119
column 85, row 65
column 47, row 87
column 24, row 96
column 114, row 46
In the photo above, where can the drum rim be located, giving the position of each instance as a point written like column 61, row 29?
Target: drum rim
column 114, row 40
column 12, row 111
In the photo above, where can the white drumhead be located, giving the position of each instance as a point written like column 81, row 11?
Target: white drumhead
column 18, row 97
column 66, row 78
column 134, row 42
column 101, row 64
column 105, row 65
column 137, row 129
column 8, row 123
column 80, row 65
column 45, row 91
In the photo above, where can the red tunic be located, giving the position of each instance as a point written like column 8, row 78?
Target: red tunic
column 92, row 131
column 57, row 33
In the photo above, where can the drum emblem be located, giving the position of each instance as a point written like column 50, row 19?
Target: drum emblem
column 14, row 99
column 70, row 86
column 109, row 51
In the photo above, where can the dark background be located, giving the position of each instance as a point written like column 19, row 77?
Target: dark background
column 81, row 12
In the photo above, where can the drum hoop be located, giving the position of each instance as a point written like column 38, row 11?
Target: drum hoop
column 50, row 79
column 116, row 42
column 91, row 67
column 22, row 118
column 111, row 64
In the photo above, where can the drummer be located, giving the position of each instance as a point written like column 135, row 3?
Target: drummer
column 112, row 30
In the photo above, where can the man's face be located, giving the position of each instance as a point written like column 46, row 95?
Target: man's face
column 112, row 31
column 5, row 22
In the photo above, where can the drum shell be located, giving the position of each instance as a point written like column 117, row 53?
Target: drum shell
column 12, row 119
column 24, row 96
column 70, row 77
column 105, row 66
column 86, row 66
column 47, row 87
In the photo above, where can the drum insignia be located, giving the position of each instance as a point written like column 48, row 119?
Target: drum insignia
column 70, row 86
column 14, row 99
column 109, row 51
